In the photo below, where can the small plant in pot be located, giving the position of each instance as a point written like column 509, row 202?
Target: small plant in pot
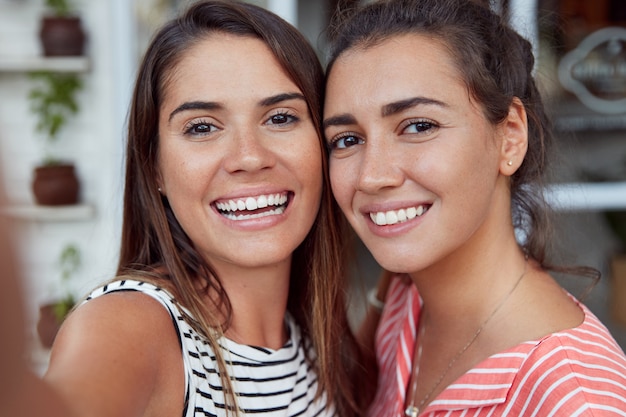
column 52, row 314
column 61, row 32
column 53, row 100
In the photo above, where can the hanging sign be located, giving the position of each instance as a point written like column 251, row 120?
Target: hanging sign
column 595, row 71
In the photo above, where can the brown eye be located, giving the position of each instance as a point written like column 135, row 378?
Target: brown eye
column 420, row 126
column 199, row 128
column 346, row 141
column 279, row 119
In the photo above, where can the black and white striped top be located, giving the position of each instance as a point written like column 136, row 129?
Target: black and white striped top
column 267, row 382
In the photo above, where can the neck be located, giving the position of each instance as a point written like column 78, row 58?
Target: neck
column 456, row 286
column 438, row 374
column 258, row 297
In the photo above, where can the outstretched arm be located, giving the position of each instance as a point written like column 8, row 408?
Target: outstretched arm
column 118, row 356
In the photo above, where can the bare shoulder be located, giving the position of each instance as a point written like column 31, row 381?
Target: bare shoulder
column 119, row 353
column 122, row 319
column 542, row 308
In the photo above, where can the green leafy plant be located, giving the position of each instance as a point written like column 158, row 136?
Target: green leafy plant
column 69, row 262
column 59, row 7
column 53, row 101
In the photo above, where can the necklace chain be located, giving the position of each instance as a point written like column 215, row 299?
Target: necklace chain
column 413, row 410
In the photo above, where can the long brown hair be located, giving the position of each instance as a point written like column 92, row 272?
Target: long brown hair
column 153, row 241
column 496, row 64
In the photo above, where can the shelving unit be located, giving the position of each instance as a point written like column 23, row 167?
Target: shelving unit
column 30, row 212
column 26, row 212
column 19, row 64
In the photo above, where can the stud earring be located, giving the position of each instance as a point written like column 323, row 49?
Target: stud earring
column 160, row 190
column 510, row 163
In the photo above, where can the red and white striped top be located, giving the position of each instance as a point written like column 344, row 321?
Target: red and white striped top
column 575, row 372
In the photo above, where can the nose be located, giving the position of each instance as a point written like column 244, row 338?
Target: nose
column 379, row 169
column 249, row 151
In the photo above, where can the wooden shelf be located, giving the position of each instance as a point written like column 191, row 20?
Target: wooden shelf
column 19, row 64
column 588, row 196
column 30, row 212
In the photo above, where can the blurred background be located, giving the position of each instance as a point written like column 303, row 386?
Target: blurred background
column 67, row 107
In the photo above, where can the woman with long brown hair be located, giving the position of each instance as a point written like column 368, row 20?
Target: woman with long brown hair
column 230, row 266
column 439, row 145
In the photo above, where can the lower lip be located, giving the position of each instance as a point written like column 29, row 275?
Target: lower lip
column 255, row 224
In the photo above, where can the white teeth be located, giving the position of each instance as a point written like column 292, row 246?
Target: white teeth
column 251, row 204
column 397, row 216
column 273, row 212
column 391, row 217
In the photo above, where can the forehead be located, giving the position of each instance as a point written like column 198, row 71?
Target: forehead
column 222, row 62
column 408, row 64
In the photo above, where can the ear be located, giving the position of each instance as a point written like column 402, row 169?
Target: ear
column 514, row 136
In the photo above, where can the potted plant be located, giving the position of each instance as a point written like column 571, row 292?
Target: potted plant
column 61, row 32
column 53, row 100
column 52, row 314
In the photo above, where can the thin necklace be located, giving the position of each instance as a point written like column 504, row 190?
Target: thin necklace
column 413, row 410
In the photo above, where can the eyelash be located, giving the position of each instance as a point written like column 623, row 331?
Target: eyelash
column 334, row 143
column 191, row 128
column 429, row 125
column 423, row 127
column 290, row 117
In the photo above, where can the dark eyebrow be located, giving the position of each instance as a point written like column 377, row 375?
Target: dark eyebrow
column 387, row 110
column 270, row 101
column 401, row 105
column 342, row 119
column 211, row 105
column 195, row 105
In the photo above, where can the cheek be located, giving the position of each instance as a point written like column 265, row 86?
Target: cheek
column 306, row 160
column 181, row 170
column 340, row 174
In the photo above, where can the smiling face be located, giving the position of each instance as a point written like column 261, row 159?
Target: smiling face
column 239, row 157
column 414, row 165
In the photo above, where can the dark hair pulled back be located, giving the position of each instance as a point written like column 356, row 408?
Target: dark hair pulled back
column 496, row 64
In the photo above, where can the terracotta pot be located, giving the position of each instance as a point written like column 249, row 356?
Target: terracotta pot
column 48, row 325
column 618, row 289
column 62, row 36
column 55, row 185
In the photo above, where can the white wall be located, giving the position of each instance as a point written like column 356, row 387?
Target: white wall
column 94, row 139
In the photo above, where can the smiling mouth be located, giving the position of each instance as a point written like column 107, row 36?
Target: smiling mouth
column 246, row 208
column 391, row 217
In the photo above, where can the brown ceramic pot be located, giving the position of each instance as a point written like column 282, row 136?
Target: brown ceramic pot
column 48, row 325
column 55, row 185
column 62, row 36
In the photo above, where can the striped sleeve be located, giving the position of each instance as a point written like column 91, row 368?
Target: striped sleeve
column 581, row 372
